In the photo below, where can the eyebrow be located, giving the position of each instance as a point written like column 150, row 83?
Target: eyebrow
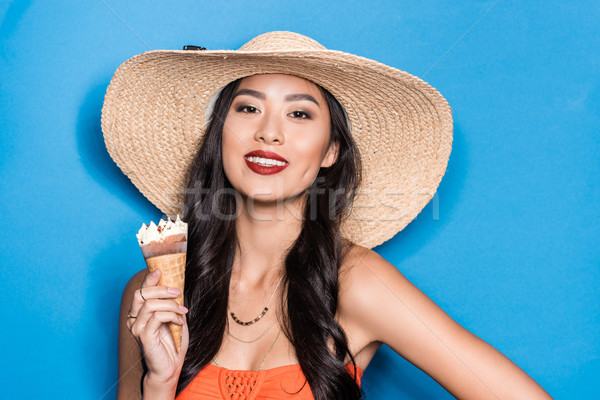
column 301, row 96
column 250, row 92
column 289, row 97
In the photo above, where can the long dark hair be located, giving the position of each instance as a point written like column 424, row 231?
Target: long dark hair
column 311, row 265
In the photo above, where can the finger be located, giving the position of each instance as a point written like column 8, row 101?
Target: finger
column 138, row 297
column 185, row 336
column 160, row 305
column 136, row 328
column 157, row 319
column 137, row 302
column 152, row 279
column 130, row 322
column 151, row 293
column 159, row 292
column 153, row 306
column 147, row 291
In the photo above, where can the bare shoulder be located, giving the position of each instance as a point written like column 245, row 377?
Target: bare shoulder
column 364, row 275
column 361, row 260
column 361, row 302
column 381, row 303
column 382, row 306
column 364, row 271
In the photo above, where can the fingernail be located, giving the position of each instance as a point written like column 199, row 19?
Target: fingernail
column 181, row 320
column 184, row 309
column 174, row 290
column 156, row 273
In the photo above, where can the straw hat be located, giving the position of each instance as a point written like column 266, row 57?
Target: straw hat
column 153, row 122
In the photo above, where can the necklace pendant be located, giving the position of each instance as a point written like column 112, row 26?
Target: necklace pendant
column 246, row 323
column 264, row 311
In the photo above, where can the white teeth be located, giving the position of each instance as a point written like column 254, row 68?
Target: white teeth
column 265, row 161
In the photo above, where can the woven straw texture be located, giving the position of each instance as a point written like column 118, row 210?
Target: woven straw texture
column 172, row 268
column 153, row 122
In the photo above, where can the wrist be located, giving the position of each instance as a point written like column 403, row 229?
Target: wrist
column 157, row 387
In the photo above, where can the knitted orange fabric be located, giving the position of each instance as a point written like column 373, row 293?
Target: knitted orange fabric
column 219, row 383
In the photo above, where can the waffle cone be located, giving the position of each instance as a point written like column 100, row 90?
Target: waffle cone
column 172, row 268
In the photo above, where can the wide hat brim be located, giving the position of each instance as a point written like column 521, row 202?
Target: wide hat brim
column 153, row 123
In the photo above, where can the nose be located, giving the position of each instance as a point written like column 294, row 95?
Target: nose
column 270, row 130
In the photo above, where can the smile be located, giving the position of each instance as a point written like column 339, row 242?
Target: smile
column 265, row 163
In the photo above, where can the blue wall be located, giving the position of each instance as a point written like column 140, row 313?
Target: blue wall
column 512, row 253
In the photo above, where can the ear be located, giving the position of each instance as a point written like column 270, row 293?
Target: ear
column 331, row 155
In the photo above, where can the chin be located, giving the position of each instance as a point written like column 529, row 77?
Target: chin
column 281, row 199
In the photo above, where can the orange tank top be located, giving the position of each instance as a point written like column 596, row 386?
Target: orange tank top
column 219, row 383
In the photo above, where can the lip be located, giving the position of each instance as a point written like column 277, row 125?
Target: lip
column 264, row 170
column 266, row 154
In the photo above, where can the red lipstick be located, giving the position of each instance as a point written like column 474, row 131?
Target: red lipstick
column 263, row 167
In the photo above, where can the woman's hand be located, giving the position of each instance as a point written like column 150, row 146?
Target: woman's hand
column 152, row 308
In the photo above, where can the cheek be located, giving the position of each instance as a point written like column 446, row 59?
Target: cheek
column 233, row 138
column 230, row 149
column 311, row 154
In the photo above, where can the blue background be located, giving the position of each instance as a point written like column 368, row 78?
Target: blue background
column 511, row 252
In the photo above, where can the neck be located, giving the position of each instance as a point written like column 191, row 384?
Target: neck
column 265, row 232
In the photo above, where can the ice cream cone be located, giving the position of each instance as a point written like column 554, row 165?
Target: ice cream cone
column 164, row 247
column 172, row 268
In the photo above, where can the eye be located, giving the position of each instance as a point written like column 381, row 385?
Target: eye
column 300, row 114
column 247, row 109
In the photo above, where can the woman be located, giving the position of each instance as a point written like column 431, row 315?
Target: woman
column 282, row 299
